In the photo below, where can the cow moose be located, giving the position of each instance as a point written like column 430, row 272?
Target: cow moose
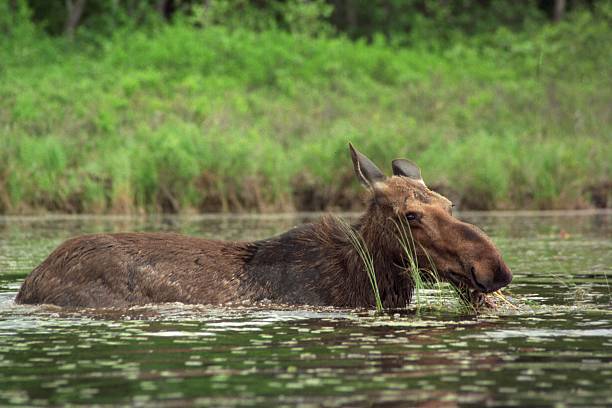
column 311, row 264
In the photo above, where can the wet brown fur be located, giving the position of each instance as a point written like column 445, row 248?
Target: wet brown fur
column 311, row 264
column 461, row 252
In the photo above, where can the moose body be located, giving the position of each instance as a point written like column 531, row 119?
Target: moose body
column 301, row 266
column 313, row 264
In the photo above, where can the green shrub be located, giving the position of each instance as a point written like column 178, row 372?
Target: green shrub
column 174, row 118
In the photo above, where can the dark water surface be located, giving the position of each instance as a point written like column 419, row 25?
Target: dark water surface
column 554, row 349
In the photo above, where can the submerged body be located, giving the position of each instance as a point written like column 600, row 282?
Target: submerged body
column 314, row 264
column 305, row 265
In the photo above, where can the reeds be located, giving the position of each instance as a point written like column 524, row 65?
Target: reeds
column 446, row 296
column 429, row 290
column 499, row 295
column 366, row 257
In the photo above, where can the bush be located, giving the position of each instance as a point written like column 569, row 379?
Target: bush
column 178, row 118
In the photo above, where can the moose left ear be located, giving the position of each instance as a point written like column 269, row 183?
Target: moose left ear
column 366, row 171
column 406, row 168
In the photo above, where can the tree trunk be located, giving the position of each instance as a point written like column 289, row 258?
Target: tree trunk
column 161, row 8
column 75, row 12
column 165, row 8
column 351, row 17
column 559, row 10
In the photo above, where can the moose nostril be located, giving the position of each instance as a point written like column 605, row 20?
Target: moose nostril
column 505, row 273
column 497, row 277
column 475, row 280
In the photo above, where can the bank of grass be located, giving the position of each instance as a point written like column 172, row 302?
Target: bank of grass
column 184, row 119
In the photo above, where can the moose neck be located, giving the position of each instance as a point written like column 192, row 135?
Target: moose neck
column 317, row 264
column 394, row 283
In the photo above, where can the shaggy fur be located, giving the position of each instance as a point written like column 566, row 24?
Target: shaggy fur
column 312, row 264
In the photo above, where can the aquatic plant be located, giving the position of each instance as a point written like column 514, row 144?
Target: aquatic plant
column 426, row 280
column 362, row 250
column 430, row 291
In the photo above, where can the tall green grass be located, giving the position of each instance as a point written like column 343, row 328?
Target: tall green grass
column 183, row 119
column 429, row 290
column 362, row 250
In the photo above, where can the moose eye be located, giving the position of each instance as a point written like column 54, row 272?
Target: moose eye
column 411, row 216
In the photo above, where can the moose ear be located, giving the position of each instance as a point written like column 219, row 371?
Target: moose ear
column 406, row 168
column 366, row 171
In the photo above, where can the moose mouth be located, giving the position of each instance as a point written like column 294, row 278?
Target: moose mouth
column 470, row 289
column 466, row 282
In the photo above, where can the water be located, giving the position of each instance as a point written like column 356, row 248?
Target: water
column 555, row 349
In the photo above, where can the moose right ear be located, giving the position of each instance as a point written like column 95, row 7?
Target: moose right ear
column 406, row 168
column 366, row 171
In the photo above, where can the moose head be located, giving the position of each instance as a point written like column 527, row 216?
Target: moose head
column 460, row 252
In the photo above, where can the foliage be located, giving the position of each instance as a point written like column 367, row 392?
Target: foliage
column 295, row 16
column 418, row 22
column 208, row 117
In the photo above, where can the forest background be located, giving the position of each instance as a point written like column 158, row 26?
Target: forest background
column 119, row 106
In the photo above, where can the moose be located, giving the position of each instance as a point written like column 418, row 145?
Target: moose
column 311, row 264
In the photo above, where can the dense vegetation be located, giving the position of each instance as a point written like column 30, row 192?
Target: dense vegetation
column 220, row 110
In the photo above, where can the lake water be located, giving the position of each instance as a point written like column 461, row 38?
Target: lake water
column 552, row 348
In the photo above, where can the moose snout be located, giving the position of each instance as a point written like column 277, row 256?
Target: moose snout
column 499, row 277
column 503, row 276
